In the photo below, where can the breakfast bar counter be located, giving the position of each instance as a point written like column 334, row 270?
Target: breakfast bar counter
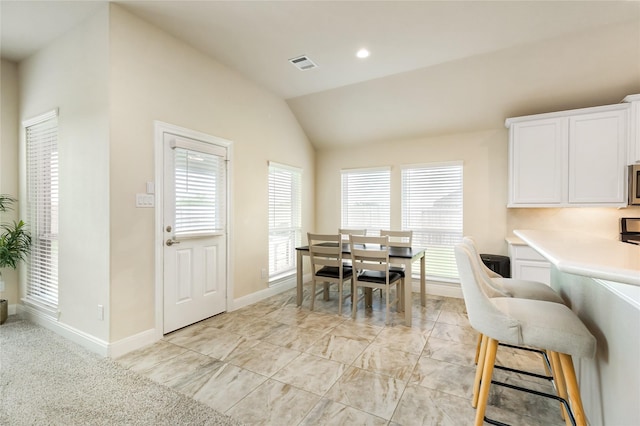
column 582, row 254
column 599, row 279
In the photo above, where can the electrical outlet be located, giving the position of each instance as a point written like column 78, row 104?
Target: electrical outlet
column 263, row 273
column 100, row 313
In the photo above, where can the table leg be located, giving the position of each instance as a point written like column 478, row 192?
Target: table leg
column 423, row 291
column 407, row 294
column 299, row 278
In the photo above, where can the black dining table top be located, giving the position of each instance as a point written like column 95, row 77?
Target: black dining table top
column 403, row 252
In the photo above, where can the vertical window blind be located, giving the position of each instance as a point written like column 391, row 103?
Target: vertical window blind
column 432, row 208
column 285, row 219
column 199, row 193
column 42, row 209
column 366, row 199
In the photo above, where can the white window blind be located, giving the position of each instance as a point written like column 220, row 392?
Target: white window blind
column 432, row 208
column 42, row 209
column 199, row 192
column 285, row 219
column 366, row 199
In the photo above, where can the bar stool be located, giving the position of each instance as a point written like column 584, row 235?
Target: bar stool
column 510, row 287
column 497, row 286
column 546, row 325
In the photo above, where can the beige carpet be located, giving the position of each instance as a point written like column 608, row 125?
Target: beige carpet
column 47, row 380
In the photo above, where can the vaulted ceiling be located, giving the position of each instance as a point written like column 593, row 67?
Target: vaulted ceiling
column 435, row 66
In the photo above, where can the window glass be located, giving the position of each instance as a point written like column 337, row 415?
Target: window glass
column 432, row 208
column 285, row 219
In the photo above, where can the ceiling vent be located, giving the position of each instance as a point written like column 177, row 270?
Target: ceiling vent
column 303, row 63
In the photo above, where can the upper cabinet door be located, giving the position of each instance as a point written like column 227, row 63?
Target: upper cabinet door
column 597, row 150
column 537, row 163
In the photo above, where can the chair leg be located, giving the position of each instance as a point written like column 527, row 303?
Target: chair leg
column 340, row 300
column 475, row 361
column 354, row 300
column 388, row 309
column 561, row 387
column 313, row 293
column 487, row 373
column 575, row 401
column 480, row 355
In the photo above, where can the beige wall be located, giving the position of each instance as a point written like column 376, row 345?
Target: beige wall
column 9, row 160
column 486, row 217
column 157, row 77
column 484, row 157
column 72, row 74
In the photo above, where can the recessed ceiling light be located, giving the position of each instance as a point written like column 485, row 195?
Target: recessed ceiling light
column 362, row 53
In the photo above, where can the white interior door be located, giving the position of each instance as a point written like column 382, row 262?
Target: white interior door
column 194, row 228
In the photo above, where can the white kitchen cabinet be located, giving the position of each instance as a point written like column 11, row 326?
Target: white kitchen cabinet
column 528, row 264
column 569, row 159
column 634, row 129
column 538, row 153
column 597, row 154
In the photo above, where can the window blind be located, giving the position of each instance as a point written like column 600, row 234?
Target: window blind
column 199, row 193
column 42, row 209
column 285, row 219
column 432, row 208
column 366, row 199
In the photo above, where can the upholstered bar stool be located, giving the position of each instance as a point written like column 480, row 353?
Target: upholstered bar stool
column 497, row 286
column 546, row 325
column 510, row 287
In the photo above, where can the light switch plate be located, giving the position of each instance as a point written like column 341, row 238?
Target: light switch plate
column 145, row 200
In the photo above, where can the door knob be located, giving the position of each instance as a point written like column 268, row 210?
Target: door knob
column 171, row 242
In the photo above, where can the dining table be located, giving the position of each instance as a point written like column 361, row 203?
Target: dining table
column 397, row 256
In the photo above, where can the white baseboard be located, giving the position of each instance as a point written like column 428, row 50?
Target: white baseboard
column 11, row 310
column 151, row 336
column 131, row 343
column 81, row 338
column 438, row 288
column 282, row 286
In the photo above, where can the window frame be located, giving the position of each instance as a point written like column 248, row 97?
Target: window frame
column 275, row 275
column 42, row 212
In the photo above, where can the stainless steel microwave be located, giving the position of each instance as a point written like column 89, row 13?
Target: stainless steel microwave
column 634, row 185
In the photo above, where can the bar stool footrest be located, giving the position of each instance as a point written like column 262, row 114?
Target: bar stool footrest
column 527, row 373
column 524, row 348
column 535, row 392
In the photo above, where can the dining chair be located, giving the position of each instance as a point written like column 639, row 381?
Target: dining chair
column 325, row 251
column 370, row 258
column 344, row 233
column 549, row 326
column 398, row 239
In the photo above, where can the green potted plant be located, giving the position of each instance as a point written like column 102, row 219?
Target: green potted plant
column 15, row 243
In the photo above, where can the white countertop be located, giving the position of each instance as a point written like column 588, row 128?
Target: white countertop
column 582, row 254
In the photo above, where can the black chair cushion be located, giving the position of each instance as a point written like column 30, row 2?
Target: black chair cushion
column 378, row 277
column 333, row 272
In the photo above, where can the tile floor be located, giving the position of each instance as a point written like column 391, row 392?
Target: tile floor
column 274, row 363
